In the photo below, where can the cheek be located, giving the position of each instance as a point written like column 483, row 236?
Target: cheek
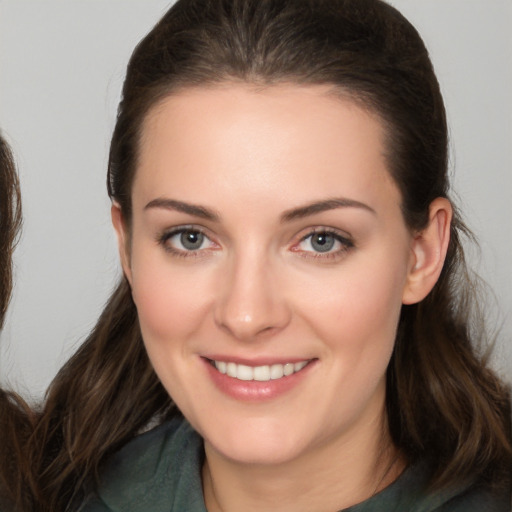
column 357, row 309
column 170, row 302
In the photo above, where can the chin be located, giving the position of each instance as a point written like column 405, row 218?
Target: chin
column 259, row 444
column 262, row 454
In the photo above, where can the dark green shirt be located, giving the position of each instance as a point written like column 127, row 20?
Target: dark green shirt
column 160, row 471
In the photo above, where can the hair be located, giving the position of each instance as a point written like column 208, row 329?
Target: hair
column 10, row 222
column 15, row 424
column 444, row 405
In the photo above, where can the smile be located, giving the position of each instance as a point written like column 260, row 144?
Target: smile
column 258, row 373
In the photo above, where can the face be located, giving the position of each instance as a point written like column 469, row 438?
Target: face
column 268, row 259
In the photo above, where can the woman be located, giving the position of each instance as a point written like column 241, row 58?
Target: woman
column 294, row 282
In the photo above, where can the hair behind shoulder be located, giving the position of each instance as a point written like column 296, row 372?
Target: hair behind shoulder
column 15, row 415
column 10, row 222
column 445, row 405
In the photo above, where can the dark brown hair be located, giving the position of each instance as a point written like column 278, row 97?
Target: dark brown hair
column 10, row 222
column 15, row 416
column 444, row 405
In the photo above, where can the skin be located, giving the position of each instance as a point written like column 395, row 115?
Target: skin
column 258, row 289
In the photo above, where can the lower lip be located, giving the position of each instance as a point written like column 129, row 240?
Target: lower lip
column 256, row 391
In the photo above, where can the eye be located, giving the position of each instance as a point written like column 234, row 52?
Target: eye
column 190, row 240
column 185, row 241
column 320, row 242
column 323, row 242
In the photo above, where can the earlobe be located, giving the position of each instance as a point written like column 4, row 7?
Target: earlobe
column 428, row 252
column 122, row 239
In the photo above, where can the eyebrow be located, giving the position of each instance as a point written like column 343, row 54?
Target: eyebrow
column 323, row 206
column 180, row 206
column 288, row 216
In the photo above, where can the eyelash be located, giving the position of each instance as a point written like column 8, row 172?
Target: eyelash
column 163, row 240
column 346, row 245
column 345, row 242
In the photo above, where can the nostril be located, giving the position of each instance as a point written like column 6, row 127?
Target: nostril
column 249, row 303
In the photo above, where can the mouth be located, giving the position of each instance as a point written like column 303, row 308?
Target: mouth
column 262, row 373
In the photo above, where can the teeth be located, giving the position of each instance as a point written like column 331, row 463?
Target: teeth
column 262, row 373
column 259, row 373
column 244, row 372
column 298, row 366
column 289, row 368
column 231, row 369
column 276, row 371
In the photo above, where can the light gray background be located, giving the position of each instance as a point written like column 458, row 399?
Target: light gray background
column 61, row 69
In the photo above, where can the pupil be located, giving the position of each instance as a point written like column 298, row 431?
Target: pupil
column 322, row 242
column 191, row 240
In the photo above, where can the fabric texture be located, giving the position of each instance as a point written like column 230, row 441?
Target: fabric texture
column 160, row 471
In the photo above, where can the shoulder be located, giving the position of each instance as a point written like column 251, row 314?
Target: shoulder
column 156, row 471
column 410, row 493
column 476, row 499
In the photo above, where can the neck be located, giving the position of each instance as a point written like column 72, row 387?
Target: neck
column 331, row 477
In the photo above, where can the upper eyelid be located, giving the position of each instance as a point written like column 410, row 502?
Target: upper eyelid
column 163, row 239
column 168, row 232
column 343, row 238
column 163, row 236
column 340, row 234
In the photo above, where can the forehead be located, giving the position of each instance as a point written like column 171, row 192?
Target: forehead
column 257, row 140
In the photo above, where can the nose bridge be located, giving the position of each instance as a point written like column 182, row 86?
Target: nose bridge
column 250, row 302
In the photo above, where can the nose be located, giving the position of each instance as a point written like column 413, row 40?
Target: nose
column 251, row 302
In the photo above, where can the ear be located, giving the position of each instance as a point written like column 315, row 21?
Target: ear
column 122, row 239
column 428, row 252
